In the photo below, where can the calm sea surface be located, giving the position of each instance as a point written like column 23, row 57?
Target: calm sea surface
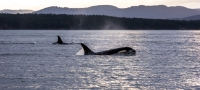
column 164, row 60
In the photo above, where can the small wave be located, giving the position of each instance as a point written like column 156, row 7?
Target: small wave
column 17, row 43
column 14, row 54
column 21, row 35
column 23, row 54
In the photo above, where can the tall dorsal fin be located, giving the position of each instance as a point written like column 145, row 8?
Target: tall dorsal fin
column 59, row 40
column 87, row 51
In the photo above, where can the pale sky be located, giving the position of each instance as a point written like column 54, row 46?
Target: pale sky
column 40, row 4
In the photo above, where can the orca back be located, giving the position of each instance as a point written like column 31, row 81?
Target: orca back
column 116, row 50
column 87, row 51
column 59, row 40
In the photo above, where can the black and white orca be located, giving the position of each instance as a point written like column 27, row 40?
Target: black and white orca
column 124, row 50
column 59, row 41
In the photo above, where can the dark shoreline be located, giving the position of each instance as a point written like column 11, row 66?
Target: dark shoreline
column 90, row 22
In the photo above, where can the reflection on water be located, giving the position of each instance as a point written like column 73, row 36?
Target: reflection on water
column 164, row 60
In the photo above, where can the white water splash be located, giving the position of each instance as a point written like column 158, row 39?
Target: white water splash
column 81, row 52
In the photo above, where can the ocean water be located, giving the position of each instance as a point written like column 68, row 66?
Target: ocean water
column 164, row 60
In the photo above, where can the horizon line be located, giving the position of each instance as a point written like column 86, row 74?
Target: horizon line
column 99, row 5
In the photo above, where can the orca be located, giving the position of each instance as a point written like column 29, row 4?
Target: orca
column 124, row 50
column 59, row 41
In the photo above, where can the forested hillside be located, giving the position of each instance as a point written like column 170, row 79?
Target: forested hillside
column 90, row 22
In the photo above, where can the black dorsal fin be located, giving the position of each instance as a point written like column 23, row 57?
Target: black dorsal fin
column 59, row 40
column 87, row 51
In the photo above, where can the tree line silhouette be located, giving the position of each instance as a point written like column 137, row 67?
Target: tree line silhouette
column 89, row 22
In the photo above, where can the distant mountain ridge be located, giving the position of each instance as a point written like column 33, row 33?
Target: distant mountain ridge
column 152, row 12
column 195, row 17
column 155, row 12
column 16, row 11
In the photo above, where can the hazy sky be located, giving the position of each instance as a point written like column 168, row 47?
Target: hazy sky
column 39, row 4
